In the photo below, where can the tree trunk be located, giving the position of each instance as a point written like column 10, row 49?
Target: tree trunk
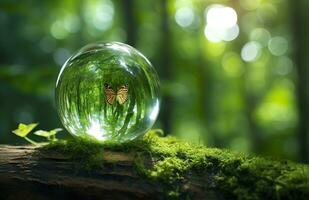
column 300, row 42
column 166, row 67
column 129, row 11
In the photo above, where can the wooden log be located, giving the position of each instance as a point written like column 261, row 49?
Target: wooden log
column 29, row 172
column 26, row 173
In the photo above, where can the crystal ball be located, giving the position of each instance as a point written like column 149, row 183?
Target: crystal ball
column 108, row 91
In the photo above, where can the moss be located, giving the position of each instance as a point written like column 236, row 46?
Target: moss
column 84, row 150
column 234, row 175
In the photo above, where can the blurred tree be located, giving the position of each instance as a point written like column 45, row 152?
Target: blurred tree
column 130, row 22
column 301, row 49
column 166, row 66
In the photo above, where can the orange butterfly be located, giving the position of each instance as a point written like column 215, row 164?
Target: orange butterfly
column 121, row 96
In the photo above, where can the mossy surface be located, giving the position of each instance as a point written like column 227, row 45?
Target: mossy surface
column 232, row 175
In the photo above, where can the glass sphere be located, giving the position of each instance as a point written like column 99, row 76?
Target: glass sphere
column 109, row 91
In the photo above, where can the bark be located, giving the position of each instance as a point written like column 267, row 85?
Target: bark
column 28, row 173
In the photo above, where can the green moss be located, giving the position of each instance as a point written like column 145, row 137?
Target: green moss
column 233, row 175
column 84, row 150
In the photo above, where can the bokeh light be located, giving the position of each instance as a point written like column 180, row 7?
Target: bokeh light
column 58, row 30
column 184, row 16
column 221, row 16
column 260, row 35
column 221, row 23
column 278, row 46
column 251, row 51
column 99, row 14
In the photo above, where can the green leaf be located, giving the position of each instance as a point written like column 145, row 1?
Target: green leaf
column 47, row 133
column 42, row 133
column 23, row 130
column 55, row 131
column 22, row 126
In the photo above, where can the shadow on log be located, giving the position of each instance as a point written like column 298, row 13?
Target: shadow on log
column 164, row 168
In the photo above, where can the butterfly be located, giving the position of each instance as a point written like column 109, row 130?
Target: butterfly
column 121, row 96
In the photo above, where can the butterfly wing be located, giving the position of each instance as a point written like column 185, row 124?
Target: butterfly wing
column 122, row 94
column 110, row 94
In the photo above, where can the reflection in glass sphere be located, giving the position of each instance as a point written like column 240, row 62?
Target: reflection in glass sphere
column 109, row 91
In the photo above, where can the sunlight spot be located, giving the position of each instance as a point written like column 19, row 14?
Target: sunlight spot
column 95, row 130
column 184, row 16
column 221, row 23
column 231, row 33
column 211, row 35
column 251, row 51
column 221, row 16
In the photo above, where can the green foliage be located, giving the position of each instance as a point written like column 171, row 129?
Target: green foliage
column 23, row 130
column 235, row 175
column 49, row 135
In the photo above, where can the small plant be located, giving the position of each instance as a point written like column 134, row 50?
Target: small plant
column 49, row 135
column 23, row 131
